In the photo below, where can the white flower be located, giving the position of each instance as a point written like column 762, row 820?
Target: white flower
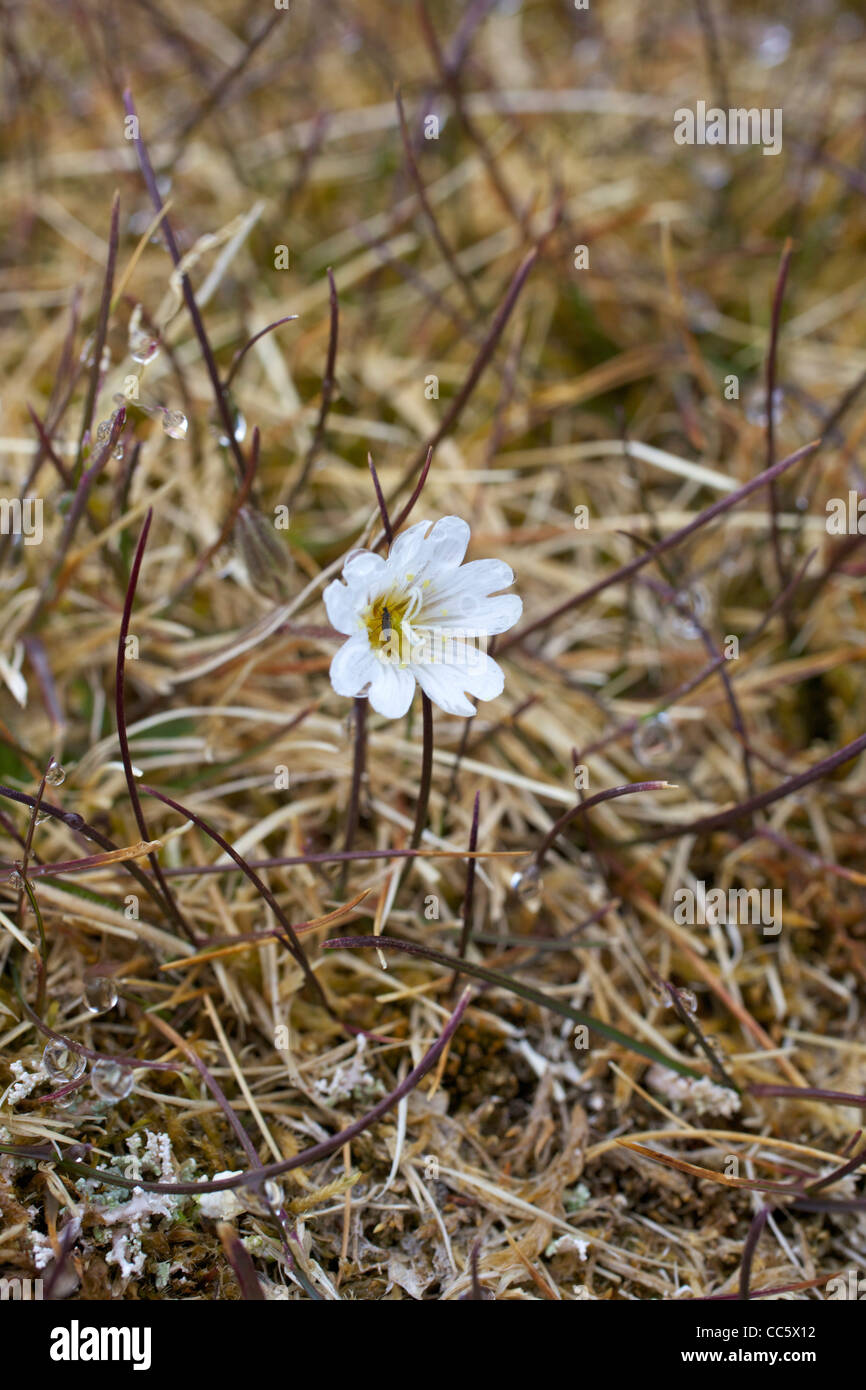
column 420, row 616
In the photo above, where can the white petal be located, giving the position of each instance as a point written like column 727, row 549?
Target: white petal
column 455, row 667
column 444, row 685
column 364, row 571
column 497, row 614
column 341, row 604
column 462, row 598
column 405, row 552
column 446, row 545
column 478, row 577
column 481, row 675
column 392, row 689
column 483, row 617
column 353, row 667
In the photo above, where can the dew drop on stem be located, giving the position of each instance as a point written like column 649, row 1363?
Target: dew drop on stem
column 175, row 424
column 528, row 886
column 61, row 1063
column 655, row 741
column 110, row 1080
column 100, row 995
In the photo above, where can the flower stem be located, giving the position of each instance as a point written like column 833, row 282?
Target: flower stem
column 468, row 896
column 426, row 772
column 360, row 712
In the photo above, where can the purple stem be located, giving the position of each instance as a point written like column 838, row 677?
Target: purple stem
column 123, row 740
column 307, row 1156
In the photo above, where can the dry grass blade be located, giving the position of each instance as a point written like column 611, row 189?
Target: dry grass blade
column 334, row 272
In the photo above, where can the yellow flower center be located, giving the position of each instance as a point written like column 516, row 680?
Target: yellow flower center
column 384, row 621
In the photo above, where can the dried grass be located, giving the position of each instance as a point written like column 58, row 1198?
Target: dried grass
column 603, row 390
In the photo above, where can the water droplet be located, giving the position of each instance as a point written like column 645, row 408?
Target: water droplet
column 273, row 1193
column 110, row 1080
column 56, row 775
column 100, row 995
column 773, row 45
column 687, row 612
column 528, row 886
column 142, row 347
column 16, row 879
column 175, row 424
column 61, row 1063
column 70, row 1102
column 756, row 406
column 103, row 431
column 118, row 452
column 655, row 741
column 87, row 356
column 240, row 430
column 687, row 998
column 712, row 172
